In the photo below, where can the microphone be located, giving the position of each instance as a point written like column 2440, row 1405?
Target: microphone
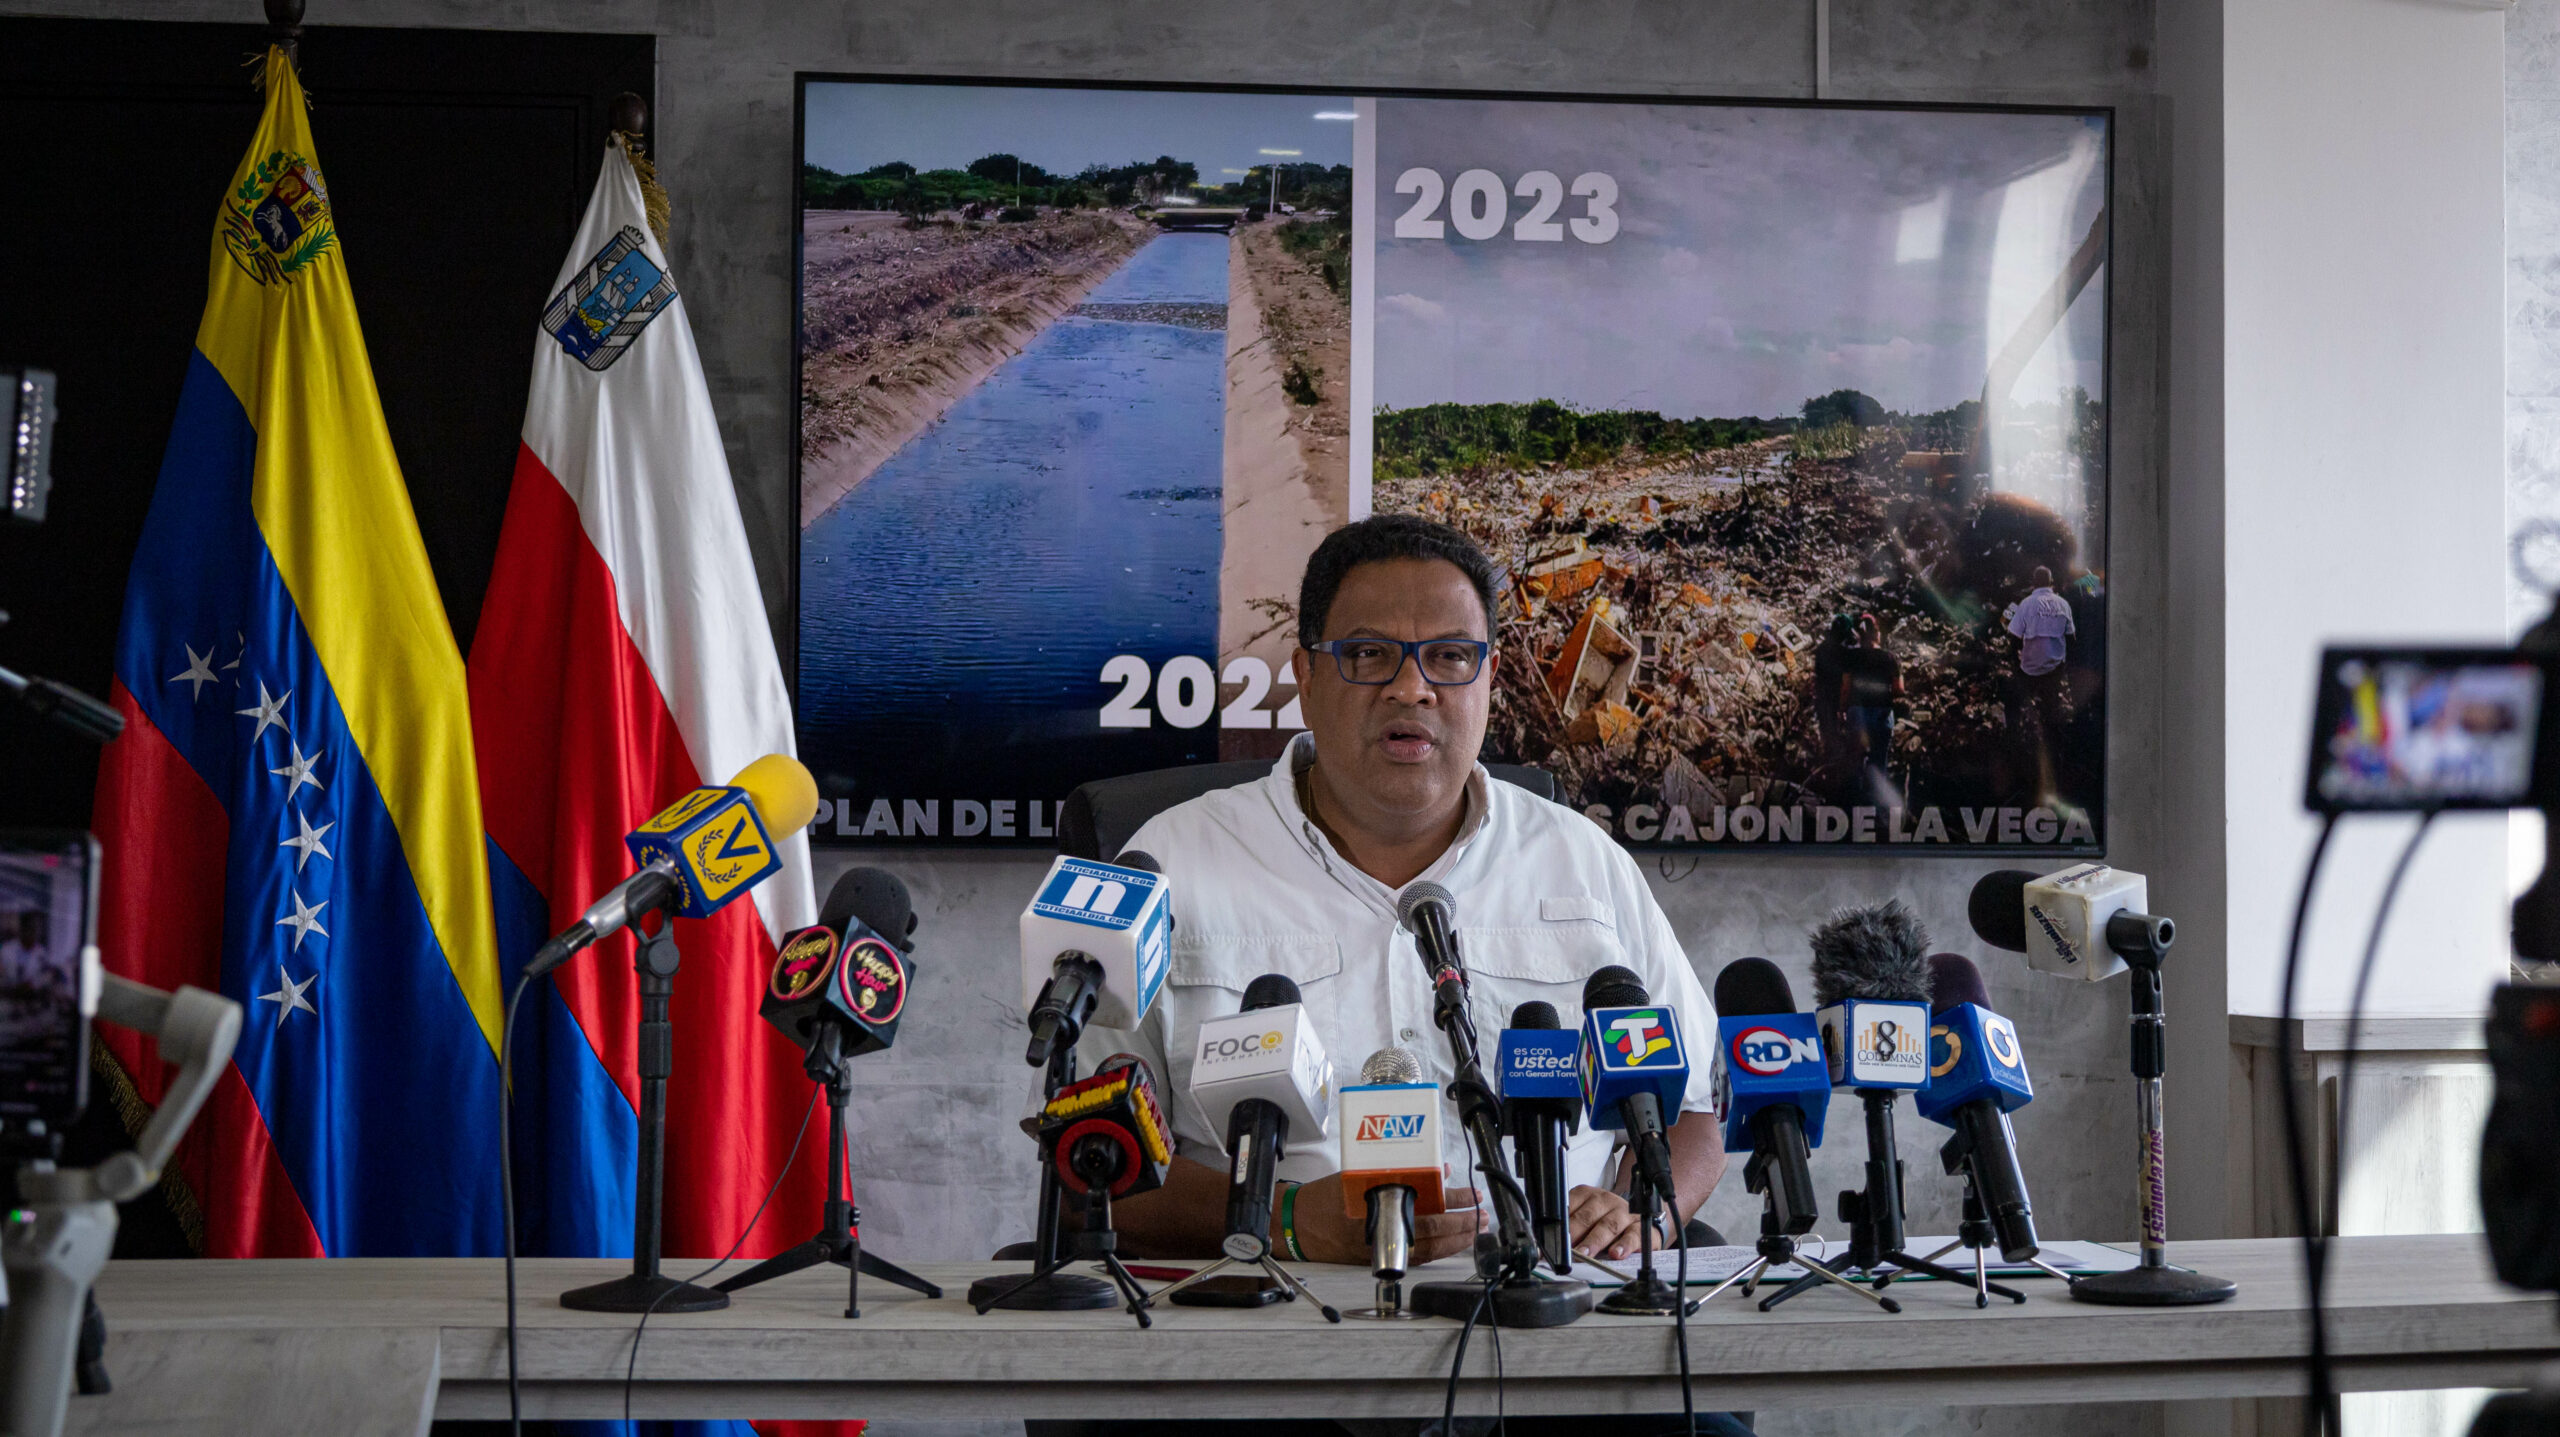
column 1096, row 939
column 1871, row 982
column 1634, row 1069
column 1391, row 1172
column 2087, row 921
column 1538, row 1061
column 839, row 986
column 1107, row 1133
column 2083, row 922
column 1773, row 1087
column 1977, row 1077
column 1260, row 1074
column 1430, row 914
column 697, row 854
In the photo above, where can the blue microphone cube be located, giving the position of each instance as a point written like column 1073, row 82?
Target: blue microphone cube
column 1770, row 1060
column 1540, row 1063
column 1973, row 1054
column 1626, row 1051
column 1877, row 1043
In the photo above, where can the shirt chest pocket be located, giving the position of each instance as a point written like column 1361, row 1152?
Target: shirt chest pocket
column 1545, row 963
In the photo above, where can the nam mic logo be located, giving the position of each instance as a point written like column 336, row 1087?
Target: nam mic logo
column 1389, row 1127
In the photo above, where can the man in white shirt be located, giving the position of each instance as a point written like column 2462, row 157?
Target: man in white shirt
column 1298, row 873
column 2042, row 625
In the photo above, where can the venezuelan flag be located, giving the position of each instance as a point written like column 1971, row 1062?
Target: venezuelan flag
column 293, row 816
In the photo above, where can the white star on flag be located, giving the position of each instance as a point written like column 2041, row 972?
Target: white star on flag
column 305, row 844
column 298, row 769
column 269, row 712
column 199, row 672
column 288, row 995
column 304, row 920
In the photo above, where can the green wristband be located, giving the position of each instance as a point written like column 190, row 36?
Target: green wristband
column 1289, row 1222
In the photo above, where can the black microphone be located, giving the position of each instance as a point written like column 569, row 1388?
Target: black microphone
column 1537, row 1128
column 839, row 987
column 1640, row 1109
column 1781, row 1162
column 1431, row 916
column 1257, row 1132
column 1978, row 1076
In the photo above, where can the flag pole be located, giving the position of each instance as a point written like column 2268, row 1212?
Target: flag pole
column 284, row 28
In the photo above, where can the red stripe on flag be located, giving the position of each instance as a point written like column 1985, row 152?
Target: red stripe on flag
column 576, row 748
column 165, row 837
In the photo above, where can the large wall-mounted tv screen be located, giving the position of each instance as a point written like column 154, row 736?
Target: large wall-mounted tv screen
column 1786, row 423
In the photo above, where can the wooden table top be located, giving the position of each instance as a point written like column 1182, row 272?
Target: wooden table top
column 2406, row 1312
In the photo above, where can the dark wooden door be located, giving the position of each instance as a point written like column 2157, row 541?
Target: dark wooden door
column 458, row 163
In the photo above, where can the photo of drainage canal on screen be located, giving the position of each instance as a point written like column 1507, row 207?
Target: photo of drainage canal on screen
column 1786, row 425
column 1074, row 378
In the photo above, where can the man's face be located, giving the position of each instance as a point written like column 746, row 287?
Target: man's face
column 1400, row 751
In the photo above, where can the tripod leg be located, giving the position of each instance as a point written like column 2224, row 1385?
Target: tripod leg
column 2050, row 1270
column 890, row 1272
column 1752, row 1273
column 1203, row 1275
column 1981, row 1280
column 1138, row 1300
column 1038, row 1272
column 1291, row 1280
column 1817, row 1271
column 1886, row 1280
column 807, row 1254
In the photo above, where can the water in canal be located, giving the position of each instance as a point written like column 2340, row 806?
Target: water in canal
column 957, row 608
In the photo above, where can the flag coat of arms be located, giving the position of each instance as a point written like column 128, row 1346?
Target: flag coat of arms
column 623, row 657
column 292, row 816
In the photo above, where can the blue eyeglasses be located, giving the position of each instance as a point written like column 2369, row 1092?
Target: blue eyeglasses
column 1442, row 662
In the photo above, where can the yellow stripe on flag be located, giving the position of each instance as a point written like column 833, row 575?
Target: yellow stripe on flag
column 280, row 326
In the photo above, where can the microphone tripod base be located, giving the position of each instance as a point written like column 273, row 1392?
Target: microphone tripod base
column 1522, row 1303
column 1390, row 1306
column 635, row 1293
column 1645, row 1296
column 1050, row 1292
column 2153, row 1287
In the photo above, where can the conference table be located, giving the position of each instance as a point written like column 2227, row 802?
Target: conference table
column 362, row 1346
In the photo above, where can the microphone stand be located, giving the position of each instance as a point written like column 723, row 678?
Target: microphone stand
column 2142, row 942
column 1506, row 1261
column 1645, row 1294
column 1049, row 1288
column 839, row 1239
column 1974, row 1233
column 647, row 1289
column 1875, row 1215
column 1095, row 1239
column 1777, row 1246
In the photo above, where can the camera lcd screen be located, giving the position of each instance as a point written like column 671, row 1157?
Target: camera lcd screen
column 46, row 907
column 2415, row 729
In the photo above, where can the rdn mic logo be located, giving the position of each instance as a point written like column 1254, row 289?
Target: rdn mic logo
column 1768, row 1052
column 1389, row 1127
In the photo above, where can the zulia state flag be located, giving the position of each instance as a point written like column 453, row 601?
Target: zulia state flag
column 292, row 815
column 623, row 656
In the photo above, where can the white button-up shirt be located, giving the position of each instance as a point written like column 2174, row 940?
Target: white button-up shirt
column 1543, row 898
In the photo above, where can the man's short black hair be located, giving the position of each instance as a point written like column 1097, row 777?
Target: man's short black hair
column 1378, row 538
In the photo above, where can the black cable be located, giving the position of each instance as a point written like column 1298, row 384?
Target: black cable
column 507, row 1194
column 629, row 1372
column 1483, row 1308
column 2324, row 1401
column 1680, row 1327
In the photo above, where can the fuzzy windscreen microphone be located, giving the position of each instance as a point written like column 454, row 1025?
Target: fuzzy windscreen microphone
column 1878, row 952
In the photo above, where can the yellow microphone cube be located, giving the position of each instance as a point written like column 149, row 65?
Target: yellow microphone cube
column 714, row 840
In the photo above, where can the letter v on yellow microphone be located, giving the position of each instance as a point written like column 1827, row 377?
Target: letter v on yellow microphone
column 718, row 839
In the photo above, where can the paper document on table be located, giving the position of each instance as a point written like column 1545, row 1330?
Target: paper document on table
column 1711, row 1265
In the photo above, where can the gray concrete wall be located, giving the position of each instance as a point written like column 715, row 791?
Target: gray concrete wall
column 944, row 1173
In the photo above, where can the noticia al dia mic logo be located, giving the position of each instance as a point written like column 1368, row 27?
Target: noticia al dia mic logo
column 1638, row 1036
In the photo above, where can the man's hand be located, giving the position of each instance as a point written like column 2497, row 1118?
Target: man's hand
column 1326, row 1235
column 1603, row 1224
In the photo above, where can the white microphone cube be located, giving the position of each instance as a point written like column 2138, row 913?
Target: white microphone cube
column 2067, row 915
column 1268, row 1053
column 1391, row 1138
column 1120, row 917
column 1876, row 1043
